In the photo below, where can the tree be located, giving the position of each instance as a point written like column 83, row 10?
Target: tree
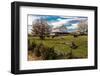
column 63, row 28
column 41, row 28
column 83, row 27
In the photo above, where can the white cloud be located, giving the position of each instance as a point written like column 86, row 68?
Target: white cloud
column 60, row 22
column 70, row 17
column 80, row 19
column 59, row 19
column 74, row 26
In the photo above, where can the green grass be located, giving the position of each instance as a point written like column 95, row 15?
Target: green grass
column 60, row 47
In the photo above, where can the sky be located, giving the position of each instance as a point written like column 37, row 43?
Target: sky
column 70, row 22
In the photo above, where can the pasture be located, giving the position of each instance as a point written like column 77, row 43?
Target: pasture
column 61, row 45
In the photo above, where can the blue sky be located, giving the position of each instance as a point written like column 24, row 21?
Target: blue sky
column 70, row 22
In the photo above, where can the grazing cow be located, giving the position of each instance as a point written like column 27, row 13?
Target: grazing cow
column 75, row 35
column 73, row 46
column 53, row 36
column 48, row 36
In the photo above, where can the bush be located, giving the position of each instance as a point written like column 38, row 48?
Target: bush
column 45, row 52
column 36, row 51
column 31, row 45
column 52, row 54
column 48, row 53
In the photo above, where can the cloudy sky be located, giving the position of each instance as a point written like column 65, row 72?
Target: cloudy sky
column 70, row 22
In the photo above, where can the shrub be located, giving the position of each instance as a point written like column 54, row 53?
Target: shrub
column 48, row 53
column 52, row 54
column 36, row 51
column 29, row 45
column 33, row 46
column 44, row 53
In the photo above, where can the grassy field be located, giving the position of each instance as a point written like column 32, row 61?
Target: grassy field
column 62, row 44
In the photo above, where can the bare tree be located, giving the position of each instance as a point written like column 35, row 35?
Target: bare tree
column 83, row 27
column 63, row 28
column 41, row 28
